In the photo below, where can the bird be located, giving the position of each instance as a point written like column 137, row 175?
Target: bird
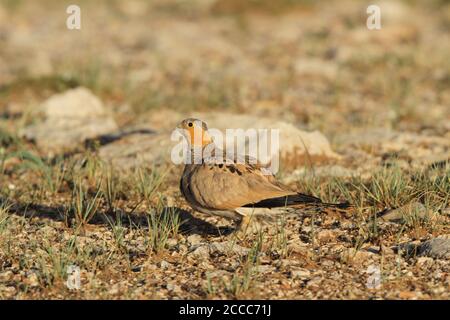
column 235, row 187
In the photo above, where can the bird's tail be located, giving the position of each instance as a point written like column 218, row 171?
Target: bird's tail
column 303, row 201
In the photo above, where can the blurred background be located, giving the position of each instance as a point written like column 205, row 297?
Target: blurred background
column 308, row 62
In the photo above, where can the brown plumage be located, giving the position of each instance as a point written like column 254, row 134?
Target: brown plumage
column 230, row 188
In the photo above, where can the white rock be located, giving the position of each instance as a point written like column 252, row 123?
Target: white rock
column 75, row 103
column 164, row 264
column 69, row 119
column 300, row 274
column 194, row 239
column 293, row 141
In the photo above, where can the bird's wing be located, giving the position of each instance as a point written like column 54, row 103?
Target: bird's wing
column 224, row 186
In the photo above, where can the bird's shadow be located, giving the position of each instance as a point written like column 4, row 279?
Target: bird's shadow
column 111, row 137
column 192, row 225
column 188, row 224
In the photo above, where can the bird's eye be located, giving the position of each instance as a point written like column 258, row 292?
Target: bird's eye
column 190, row 124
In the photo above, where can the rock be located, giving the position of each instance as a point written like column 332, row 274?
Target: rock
column 69, row 119
column 115, row 289
column 287, row 263
column 194, row 239
column 300, row 274
column 171, row 242
column 33, row 280
column 6, row 275
column 265, row 269
column 217, row 274
column 138, row 148
column 8, row 291
column 417, row 150
column 325, row 236
column 173, row 287
column 355, row 256
column 201, row 252
column 164, row 264
column 226, row 247
column 314, row 283
column 413, row 210
column 296, row 146
column 424, row 261
column 141, row 145
column 435, row 248
column 79, row 103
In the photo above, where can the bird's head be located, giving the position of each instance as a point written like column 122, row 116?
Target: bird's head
column 195, row 132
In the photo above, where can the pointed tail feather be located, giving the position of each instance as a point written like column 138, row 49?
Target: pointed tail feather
column 300, row 200
column 285, row 201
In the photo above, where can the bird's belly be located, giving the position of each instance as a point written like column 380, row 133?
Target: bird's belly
column 195, row 204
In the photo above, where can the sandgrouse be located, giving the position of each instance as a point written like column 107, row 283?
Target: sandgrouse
column 234, row 188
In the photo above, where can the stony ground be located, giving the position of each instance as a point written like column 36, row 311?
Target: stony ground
column 85, row 173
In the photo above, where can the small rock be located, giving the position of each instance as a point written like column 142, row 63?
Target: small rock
column 7, row 275
column 314, row 283
column 325, row 236
column 9, row 291
column 300, row 274
column 137, row 148
column 217, row 274
column 306, row 229
column 265, row 269
column 172, row 242
column 201, row 252
column 355, row 256
column 194, row 239
column 424, row 261
column 173, row 287
column 164, row 264
column 227, row 247
column 114, row 289
column 33, row 280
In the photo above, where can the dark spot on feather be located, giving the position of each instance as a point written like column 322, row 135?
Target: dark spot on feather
column 232, row 169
